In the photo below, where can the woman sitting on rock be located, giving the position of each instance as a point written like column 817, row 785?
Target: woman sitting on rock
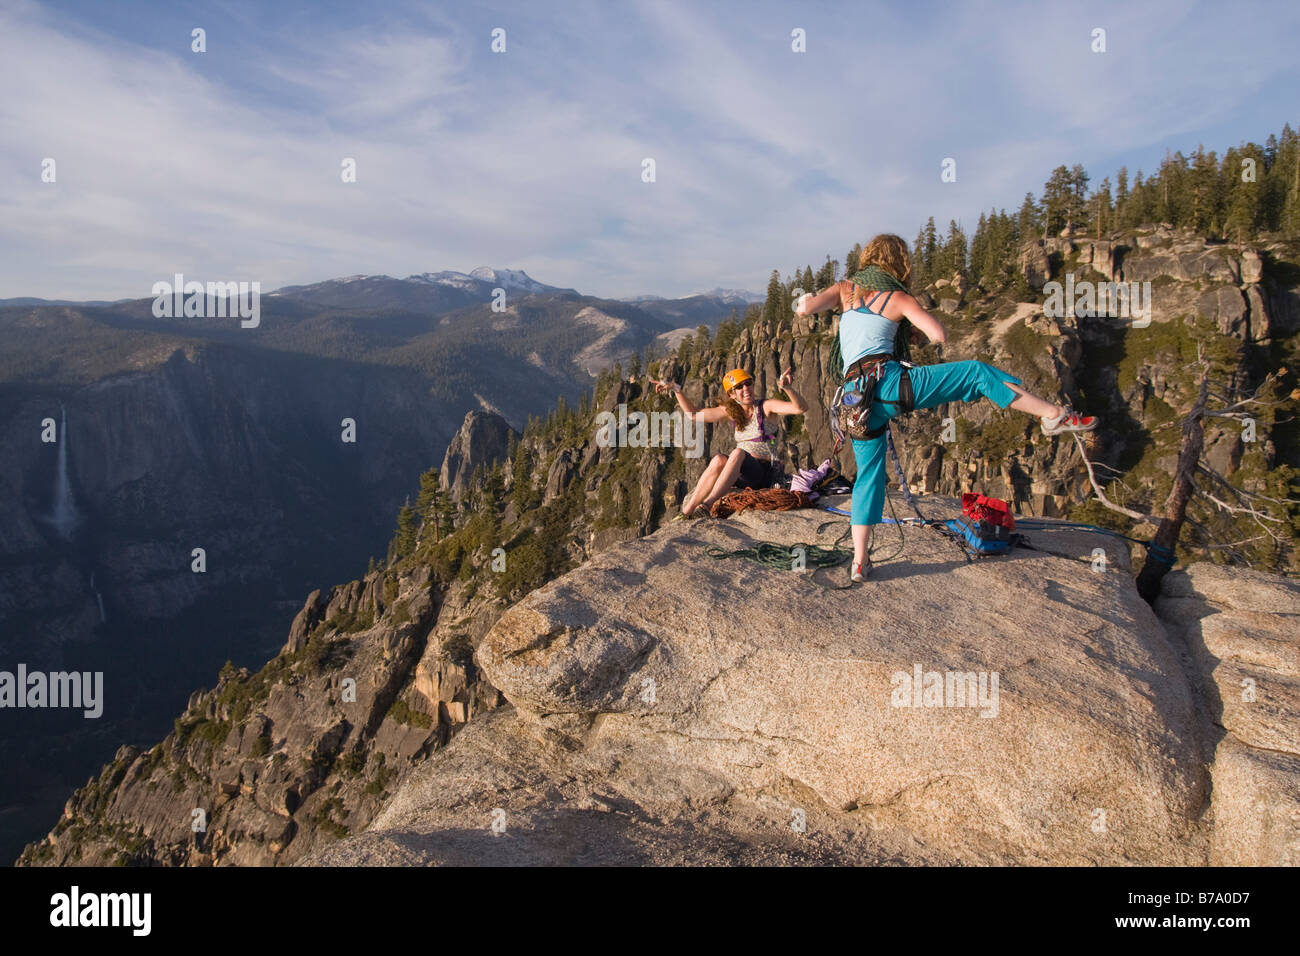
column 753, row 463
column 873, row 301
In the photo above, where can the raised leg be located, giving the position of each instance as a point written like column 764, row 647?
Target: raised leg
column 1032, row 404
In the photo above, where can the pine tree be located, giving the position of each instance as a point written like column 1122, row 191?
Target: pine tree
column 428, row 491
column 852, row 260
column 979, row 245
column 494, row 488
column 1027, row 220
column 521, row 488
column 1172, row 193
column 1063, row 201
column 444, row 514
column 1203, row 181
column 952, row 257
column 924, row 253
column 826, row 275
column 774, row 306
column 1287, row 167
column 1101, row 212
column 1137, row 211
column 1242, row 196
column 997, row 263
column 404, row 540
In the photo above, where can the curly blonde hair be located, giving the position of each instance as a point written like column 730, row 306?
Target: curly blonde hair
column 886, row 251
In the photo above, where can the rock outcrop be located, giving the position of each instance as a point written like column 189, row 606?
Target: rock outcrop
column 668, row 706
column 482, row 439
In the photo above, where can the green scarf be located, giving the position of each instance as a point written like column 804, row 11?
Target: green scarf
column 877, row 280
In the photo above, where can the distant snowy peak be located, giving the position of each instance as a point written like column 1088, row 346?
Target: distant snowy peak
column 476, row 279
column 358, row 290
column 726, row 296
column 509, row 279
column 731, row 296
column 456, row 279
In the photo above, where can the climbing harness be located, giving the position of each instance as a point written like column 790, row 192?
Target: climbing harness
column 851, row 407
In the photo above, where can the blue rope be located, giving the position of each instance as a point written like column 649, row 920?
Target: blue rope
column 848, row 514
column 1046, row 525
column 1159, row 553
column 898, row 470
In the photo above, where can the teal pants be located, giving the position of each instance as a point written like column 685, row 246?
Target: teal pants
column 932, row 385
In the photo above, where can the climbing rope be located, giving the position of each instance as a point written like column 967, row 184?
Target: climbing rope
column 780, row 556
column 898, row 470
column 1159, row 553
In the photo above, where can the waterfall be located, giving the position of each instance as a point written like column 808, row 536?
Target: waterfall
column 64, row 517
column 98, row 597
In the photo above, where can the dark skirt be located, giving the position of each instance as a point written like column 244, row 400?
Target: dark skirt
column 756, row 473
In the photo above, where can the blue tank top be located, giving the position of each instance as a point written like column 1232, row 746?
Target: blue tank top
column 864, row 332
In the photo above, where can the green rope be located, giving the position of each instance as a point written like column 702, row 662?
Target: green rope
column 778, row 557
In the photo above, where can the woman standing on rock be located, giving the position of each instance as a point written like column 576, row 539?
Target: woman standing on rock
column 873, row 301
column 753, row 463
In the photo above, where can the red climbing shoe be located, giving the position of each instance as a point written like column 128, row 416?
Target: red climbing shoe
column 1069, row 421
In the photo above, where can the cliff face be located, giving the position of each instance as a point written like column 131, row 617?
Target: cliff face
column 236, row 452
column 239, row 454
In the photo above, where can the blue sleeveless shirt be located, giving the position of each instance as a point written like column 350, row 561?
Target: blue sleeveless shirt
column 863, row 332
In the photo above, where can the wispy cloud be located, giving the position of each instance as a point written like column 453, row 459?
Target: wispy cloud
column 226, row 164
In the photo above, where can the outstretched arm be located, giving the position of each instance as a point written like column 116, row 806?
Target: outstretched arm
column 714, row 414
column 820, row 302
column 775, row 406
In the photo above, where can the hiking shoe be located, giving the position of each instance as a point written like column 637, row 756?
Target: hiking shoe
column 1069, row 421
column 860, row 571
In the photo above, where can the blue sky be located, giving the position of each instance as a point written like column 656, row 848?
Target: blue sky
column 225, row 165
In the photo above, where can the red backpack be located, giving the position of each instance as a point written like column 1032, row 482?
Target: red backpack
column 993, row 510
